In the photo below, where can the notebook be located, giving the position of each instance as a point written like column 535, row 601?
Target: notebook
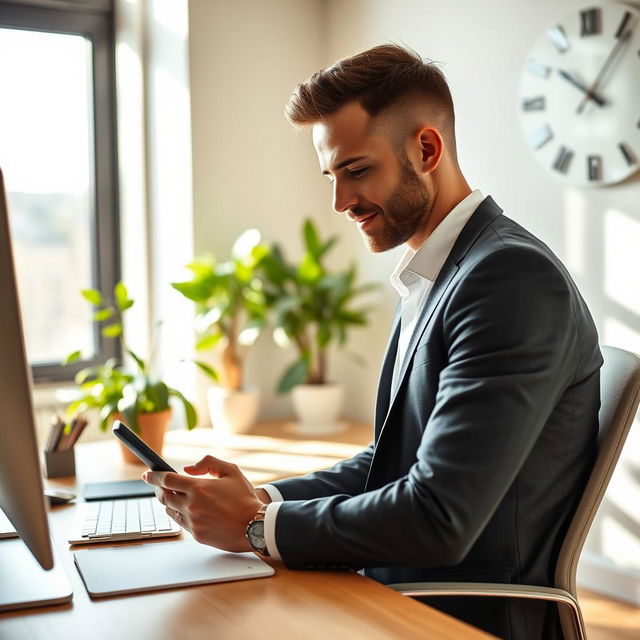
column 154, row 566
column 113, row 490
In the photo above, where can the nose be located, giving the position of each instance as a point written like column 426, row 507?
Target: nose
column 344, row 197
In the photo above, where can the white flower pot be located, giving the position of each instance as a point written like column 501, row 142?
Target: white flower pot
column 318, row 407
column 233, row 411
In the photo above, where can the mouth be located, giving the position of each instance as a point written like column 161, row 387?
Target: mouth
column 363, row 222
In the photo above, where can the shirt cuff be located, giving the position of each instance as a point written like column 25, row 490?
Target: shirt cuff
column 270, row 527
column 274, row 494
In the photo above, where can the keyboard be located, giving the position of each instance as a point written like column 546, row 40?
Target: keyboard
column 131, row 519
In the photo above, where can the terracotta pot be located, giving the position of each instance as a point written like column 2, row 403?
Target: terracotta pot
column 152, row 427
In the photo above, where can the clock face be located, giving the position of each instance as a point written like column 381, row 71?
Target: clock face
column 580, row 95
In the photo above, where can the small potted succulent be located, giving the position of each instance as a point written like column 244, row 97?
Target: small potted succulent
column 313, row 309
column 231, row 312
column 132, row 394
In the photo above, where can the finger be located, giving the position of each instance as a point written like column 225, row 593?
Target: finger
column 167, row 480
column 213, row 466
column 171, row 499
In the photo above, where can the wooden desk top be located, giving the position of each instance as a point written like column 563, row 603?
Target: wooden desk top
column 291, row 604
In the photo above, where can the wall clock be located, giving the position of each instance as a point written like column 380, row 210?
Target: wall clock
column 579, row 99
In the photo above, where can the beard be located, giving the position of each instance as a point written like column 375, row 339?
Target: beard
column 407, row 209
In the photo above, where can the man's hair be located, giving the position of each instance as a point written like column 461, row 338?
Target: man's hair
column 377, row 78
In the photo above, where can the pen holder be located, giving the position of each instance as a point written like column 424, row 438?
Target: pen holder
column 58, row 464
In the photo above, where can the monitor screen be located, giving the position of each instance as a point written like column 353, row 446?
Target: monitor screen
column 21, row 489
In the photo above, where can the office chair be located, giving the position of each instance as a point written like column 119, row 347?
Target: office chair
column 620, row 395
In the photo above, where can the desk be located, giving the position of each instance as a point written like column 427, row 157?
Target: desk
column 292, row 604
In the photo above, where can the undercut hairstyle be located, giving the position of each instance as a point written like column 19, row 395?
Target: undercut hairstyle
column 379, row 79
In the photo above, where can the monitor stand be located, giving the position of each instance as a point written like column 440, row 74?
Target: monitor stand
column 24, row 583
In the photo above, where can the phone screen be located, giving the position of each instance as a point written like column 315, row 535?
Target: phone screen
column 141, row 449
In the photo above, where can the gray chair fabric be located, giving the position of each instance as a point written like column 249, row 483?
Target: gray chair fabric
column 620, row 395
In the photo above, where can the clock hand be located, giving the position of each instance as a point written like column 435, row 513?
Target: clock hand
column 576, row 83
column 605, row 67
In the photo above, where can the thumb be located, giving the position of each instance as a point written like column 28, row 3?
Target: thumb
column 211, row 465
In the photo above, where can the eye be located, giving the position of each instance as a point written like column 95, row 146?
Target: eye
column 357, row 173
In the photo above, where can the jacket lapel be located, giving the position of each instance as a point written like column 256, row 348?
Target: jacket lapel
column 386, row 374
column 482, row 216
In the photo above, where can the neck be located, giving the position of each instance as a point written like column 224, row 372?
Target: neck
column 446, row 195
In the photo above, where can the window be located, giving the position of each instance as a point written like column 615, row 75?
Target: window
column 58, row 156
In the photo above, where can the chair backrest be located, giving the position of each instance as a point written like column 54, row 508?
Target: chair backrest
column 619, row 398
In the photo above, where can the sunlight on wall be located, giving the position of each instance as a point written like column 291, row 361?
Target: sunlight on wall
column 620, row 545
column 171, row 15
column 575, row 231
column 621, row 240
column 618, row 334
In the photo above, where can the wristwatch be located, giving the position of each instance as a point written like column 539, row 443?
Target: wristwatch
column 255, row 532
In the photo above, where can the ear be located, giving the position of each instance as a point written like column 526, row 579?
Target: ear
column 431, row 148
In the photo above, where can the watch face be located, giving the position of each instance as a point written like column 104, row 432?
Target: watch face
column 579, row 99
column 255, row 534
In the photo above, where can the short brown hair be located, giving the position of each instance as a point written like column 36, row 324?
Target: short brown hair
column 376, row 78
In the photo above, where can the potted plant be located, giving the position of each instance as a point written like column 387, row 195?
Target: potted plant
column 133, row 394
column 230, row 314
column 312, row 308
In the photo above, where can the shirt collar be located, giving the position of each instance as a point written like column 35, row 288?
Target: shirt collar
column 426, row 262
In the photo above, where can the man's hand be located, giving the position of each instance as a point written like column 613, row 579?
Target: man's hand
column 215, row 510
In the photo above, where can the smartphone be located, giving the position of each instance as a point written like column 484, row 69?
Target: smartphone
column 140, row 448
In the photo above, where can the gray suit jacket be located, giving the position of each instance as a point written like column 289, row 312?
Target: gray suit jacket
column 482, row 452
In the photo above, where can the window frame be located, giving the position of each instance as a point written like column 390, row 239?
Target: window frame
column 93, row 19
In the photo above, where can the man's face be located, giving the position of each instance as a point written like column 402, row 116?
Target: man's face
column 378, row 190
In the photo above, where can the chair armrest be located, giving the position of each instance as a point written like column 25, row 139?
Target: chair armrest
column 484, row 589
column 573, row 627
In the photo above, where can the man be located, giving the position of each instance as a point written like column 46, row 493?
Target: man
column 486, row 415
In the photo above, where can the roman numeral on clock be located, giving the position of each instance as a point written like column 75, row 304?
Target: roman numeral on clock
column 590, row 22
column 538, row 69
column 563, row 160
column 534, row 104
column 559, row 39
column 628, row 154
column 594, row 167
column 541, row 136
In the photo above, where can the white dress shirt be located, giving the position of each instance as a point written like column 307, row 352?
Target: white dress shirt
column 412, row 278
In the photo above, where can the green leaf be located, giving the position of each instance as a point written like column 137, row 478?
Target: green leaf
column 208, row 342
column 103, row 314
column 122, row 296
column 309, row 269
column 106, row 412
column 157, row 395
column 208, row 370
column 198, row 291
column 189, row 410
column 326, row 247
column 139, row 361
column 311, row 239
column 112, row 330
column 72, row 357
column 295, row 374
column 93, row 296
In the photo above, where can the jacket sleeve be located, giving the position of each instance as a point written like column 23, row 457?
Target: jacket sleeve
column 347, row 477
column 511, row 342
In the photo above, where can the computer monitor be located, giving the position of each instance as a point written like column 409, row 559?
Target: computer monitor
column 23, row 581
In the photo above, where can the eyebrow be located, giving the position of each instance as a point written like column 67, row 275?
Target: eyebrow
column 343, row 164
